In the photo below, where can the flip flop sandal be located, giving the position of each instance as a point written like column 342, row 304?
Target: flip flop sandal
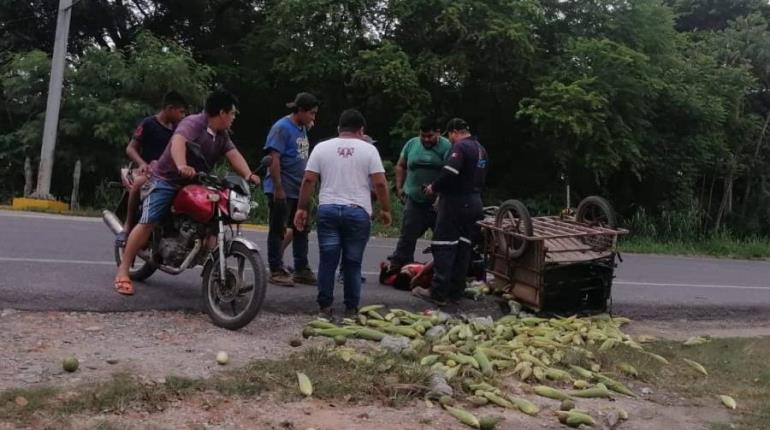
column 124, row 286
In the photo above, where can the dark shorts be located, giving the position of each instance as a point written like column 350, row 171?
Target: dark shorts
column 158, row 202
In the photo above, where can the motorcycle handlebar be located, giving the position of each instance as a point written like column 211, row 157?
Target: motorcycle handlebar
column 212, row 179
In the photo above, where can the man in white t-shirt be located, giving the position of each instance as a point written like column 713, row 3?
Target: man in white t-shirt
column 348, row 168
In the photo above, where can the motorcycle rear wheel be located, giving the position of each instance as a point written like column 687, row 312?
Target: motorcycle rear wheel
column 140, row 270
column 235, row 304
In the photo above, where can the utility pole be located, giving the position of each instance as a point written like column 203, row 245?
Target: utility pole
column 43, row 190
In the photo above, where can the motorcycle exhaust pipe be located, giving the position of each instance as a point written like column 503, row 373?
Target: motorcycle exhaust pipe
column 112, row 221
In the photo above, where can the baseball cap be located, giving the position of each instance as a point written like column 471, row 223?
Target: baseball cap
column 455, row 124
column 305, row 101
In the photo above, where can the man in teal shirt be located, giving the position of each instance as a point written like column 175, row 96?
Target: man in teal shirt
column 420, row 163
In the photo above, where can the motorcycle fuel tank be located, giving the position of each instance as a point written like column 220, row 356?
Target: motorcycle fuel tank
column 196, row 202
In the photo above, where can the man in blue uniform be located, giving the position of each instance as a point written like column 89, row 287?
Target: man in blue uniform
column 459, row 188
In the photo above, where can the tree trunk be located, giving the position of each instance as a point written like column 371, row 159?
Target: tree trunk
column 761, row 138
column 756, row 164
column 726, row 206
column 711, row 199
column 74, row 204
column 746, row 195
column 28, row 185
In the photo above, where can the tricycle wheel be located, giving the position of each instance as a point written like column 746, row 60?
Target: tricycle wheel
column 513, row 216
column 595, row 211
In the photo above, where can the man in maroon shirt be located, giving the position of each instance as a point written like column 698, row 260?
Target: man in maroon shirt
column 178, row 165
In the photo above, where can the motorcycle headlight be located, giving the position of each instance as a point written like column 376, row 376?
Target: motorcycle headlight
column 240, row 206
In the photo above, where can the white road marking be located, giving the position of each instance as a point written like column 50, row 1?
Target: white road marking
column 35, row 215
column 55, row 261
column 384, row 243
column 708, row 286
column 617, row 282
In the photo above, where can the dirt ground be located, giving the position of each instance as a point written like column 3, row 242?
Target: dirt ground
column 154, row 345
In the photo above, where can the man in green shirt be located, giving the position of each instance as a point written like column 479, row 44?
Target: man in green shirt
column 420, row 163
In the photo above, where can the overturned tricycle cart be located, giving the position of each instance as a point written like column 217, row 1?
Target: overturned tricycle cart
column 554, row 264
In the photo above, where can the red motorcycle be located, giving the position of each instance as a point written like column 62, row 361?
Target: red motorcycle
column 234, row 275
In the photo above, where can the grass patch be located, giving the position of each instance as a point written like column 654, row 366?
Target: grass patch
column 737, row 367
column 36, row 398
column 752, row 248
column 117, row 395
column 386, row 379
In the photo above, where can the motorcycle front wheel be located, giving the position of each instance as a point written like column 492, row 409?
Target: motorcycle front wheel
column 232, row 304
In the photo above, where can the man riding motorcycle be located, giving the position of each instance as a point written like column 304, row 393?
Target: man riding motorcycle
column 178, row 164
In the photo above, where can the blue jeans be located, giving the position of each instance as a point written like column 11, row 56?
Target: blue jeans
column 280, row 217
column 342, row 229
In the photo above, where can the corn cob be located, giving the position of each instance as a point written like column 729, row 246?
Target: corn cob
column 484, row 364
column 574, row 418
column 728, row 401
column 462, row 358
column 401, row 330
column 697, row 366
column 334, row 332
column 622, row 414
column 463, row 416
column 369, row 334
column 614, row 385
column 525, row 406
column 499, row 401
column 608, row 344
column 366, row 309
column 305, row 386
column 539, row 373
column 628, row 369
column 557, row 374
column 321, row 324
column 597, row 391
column 374, row 314
column 695, row 341
column 583, row 373
column 657, row 357
column 482, row 386
column 550, row 392
column 477, row 400
column 581, row 384
column 429, row 360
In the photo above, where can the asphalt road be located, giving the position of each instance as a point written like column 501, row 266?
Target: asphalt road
column 50, row 262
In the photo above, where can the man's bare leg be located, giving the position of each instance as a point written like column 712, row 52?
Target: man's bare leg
column 133, row 203
column 136, row 241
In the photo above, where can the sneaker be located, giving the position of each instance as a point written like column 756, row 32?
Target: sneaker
column 425, row 294
column 281, row 277
column 351, row 313
column 326, row 313
column 305, row 276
